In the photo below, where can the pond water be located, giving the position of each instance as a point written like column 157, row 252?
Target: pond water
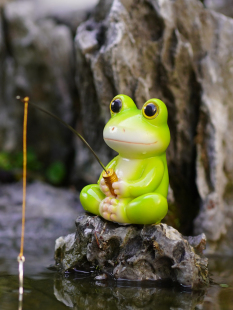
column 47, row 290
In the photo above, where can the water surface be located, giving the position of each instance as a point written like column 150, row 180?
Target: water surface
column 48, row 290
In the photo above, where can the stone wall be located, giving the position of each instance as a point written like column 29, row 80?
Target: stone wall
column 180, row 52
column 222, row 6
column 37, row 60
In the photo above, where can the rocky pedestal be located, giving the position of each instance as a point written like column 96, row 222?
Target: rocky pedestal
column 133, row 252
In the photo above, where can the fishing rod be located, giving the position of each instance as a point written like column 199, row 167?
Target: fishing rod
column 21, row 258
column 109, row 176
column 65, row 124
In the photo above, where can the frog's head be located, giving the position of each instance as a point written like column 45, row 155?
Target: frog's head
column 135, row 133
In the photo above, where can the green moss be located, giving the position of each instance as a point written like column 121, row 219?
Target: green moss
column 56, row 173
column 12, row 161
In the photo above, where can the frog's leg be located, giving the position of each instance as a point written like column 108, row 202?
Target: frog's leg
column 150, row 208
column 90, row 198
column 146, row 209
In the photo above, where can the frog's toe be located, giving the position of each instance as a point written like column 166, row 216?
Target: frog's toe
column 101, row 207
column 105, row 207
column 106, row 215
column 113, row 217
column 112, row 209
column 104, row 203
column 114, row 201
column 105, row 188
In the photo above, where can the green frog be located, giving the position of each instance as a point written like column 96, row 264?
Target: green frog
column 141, row 138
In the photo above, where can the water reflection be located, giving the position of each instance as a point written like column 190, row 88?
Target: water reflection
column 218, row 297
column 50, row 291
column 78, row 293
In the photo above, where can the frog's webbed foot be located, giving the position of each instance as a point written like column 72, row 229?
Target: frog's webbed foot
column 113, row 210
column 108, row 209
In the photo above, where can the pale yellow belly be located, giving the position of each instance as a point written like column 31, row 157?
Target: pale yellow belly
column 129, row 169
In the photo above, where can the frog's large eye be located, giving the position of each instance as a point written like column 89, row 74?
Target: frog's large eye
column 151, row 110
column 116, row 105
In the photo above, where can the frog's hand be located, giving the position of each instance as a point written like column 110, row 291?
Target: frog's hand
column 112, row 164
column 105, row 189
column 150, row 179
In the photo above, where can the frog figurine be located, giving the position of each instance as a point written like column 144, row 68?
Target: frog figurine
column 141, row 138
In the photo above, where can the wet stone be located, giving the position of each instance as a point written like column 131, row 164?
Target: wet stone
column 133, row 252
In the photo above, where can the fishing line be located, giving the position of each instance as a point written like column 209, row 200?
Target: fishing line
column 68, row 126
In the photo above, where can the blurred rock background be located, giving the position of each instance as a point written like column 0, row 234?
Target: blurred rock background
column 73, row 57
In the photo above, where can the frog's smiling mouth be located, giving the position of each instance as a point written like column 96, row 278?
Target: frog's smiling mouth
column 128, row 142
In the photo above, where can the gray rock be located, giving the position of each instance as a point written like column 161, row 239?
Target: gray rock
column 50, row 212
column 2, row 54
column 38, row 62
column 180, row 52
column 70, row 12
column 134, row 252
column 222, row 6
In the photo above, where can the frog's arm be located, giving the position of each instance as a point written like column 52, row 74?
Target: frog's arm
column 150, row 179
column 111, row 164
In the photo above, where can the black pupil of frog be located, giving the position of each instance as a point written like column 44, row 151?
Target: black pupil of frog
column 150, row 109
column 116, row 106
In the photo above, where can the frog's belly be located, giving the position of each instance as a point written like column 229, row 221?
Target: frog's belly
column 129, row 169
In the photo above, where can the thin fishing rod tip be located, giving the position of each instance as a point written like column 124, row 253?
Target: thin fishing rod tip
column 25, row 99
column 19, row 98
